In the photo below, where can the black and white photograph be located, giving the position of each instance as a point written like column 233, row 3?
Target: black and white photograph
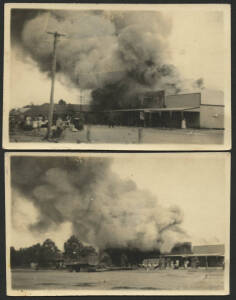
column 117, row 77
column 117, row 223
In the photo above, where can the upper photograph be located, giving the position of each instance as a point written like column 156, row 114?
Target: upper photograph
column 117, row 77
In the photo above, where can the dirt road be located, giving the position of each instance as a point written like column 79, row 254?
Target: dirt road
column 129, row 135
column 119, row 280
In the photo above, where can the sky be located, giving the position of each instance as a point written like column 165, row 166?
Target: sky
column 197, row 183
column 194, row 182
column 196, row 44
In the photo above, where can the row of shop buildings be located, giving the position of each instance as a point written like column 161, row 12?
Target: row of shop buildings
column 203, row 256
column 202, row 109
column 182, row 256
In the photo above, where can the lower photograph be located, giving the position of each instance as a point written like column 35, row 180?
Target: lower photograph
column 117, row 223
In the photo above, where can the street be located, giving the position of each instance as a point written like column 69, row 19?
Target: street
column 119, row 280
column 127, row 135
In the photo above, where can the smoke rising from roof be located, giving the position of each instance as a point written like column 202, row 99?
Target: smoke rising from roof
column 104, row 210
column 102, row 49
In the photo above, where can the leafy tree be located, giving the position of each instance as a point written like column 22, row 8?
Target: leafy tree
column 88, row 250
column 32, row 253
column 14, row 257
column 24, row 256
column 48, row 253
column 62, row 102
column 73, row 248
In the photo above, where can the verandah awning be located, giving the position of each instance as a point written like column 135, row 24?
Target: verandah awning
column 153, row 110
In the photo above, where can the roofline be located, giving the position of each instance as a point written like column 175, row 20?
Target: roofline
column 183, row 94
column 208, row 245
column 173, row 109
column 221, row 105
column 193, row 254
column 152, row 109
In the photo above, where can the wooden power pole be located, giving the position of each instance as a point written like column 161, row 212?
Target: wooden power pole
column 53, row 74
column 81, row 100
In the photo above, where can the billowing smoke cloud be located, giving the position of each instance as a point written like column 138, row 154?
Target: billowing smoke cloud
column 104, row 210
column 112, row 53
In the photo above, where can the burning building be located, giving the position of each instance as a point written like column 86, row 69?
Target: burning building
column 116, row 54
column 182, row 255
column 203, row 109
column 185, row 255
column 104, row 210
column 123, row 57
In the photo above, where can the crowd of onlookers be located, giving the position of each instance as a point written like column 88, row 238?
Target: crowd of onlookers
column 38, row 125
column 170, row 263
column 175, row 263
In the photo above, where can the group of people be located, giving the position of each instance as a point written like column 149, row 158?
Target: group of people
column 166, row 263
column 38, row 125
column 59, row 125
column 28, row 123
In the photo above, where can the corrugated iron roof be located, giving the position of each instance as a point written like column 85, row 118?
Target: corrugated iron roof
column 202, row 250
column 209, row 249
column 193, row 254
column 183, row 108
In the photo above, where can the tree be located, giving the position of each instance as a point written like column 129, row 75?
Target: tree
column 14, row 260
column 88, row 250
column 73, row 248
column 32, row 253
column 62, row 102
column 48, row 253
column 24, row 256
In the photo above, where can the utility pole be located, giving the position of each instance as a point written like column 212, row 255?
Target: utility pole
column 53, row 74
column 81, row 100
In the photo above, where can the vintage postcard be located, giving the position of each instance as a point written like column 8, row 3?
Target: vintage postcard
column 117, row 223
column 117, row 77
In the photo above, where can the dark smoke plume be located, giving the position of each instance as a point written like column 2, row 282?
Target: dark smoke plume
column 19, row 17
column 104, row 210
column 125, row 52
column 199, row 83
